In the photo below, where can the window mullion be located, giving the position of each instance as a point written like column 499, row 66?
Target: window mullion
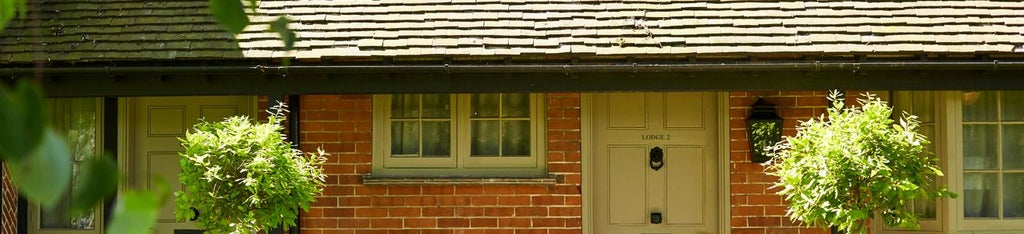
column 419, row 125
column 999, row 155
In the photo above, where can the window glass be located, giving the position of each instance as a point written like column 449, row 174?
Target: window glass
column 504, row 135
column 485, row 105
column 76, row 119
column 993, row 160
column 980, row 146
column 1011, row 106
column 516, row 105
column 1013, row 146
column 420, row 125
column 979, row 106
column 1013, row 195
column 981, row 196
column 515, row 139
column 485, row 136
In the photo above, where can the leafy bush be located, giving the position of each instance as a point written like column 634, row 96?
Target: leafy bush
column 241, row 177
column 840, row 170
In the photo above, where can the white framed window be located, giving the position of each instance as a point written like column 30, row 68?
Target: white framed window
column 459, row 135
column 990, row 169
column 79, row 120
column 979, row 139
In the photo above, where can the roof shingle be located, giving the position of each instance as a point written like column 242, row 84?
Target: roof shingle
column 181, row 29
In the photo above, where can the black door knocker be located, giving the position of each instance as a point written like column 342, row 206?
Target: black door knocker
column 195, row 214
column 657, row 158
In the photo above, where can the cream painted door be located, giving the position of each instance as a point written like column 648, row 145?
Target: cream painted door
column 627, row 126
column 157, row 123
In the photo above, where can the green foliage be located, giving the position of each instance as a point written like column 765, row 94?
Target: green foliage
column 98, row 177
column 242, row 177
column 764, row 135
column 230, row 14
column 136, row 211
column 24, row 118
column 44, row 175
column 280, row 26
column 8, row 8
column 840, row 170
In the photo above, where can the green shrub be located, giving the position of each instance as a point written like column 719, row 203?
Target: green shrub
column 840, row 170
column 242, row 177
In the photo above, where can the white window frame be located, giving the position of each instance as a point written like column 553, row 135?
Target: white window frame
column 949, row 150
column 460, row 164
column 955, row 126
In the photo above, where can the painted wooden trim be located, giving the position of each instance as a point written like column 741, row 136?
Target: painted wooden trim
column 460, row 163
column 586, row 142
column 724, row 203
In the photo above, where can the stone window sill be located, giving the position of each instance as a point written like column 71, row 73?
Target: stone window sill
column 377, row 180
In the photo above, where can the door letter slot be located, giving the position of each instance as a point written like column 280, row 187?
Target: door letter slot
column 655, row 217
column 657, row 158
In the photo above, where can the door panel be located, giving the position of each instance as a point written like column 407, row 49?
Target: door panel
column 627, row 103
column 156, row 125
column 629, row 179
column 687, row 173
column 627, row 189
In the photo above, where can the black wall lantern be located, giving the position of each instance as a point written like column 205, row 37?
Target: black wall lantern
column 764, row 128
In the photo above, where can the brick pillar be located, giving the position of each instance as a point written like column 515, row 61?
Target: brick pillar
column 755, row 208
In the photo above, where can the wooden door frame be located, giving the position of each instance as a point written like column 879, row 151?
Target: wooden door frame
column 586, row 131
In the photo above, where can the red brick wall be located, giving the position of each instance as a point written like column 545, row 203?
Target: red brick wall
column 341, row 124
column 755, row 208
column 9, row 206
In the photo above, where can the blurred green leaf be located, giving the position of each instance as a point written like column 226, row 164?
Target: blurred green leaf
column 280, row 26
column 97, row 178
column 6, row 12
column 23, row 118
column 44, row 176
column 230, row 14
column 135, row 212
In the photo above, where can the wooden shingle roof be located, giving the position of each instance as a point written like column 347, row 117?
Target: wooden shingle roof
column 159, row 30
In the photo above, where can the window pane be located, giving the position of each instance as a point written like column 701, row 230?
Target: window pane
column 515, row 138
column 516, row 105
column 436, row 106
column 980, row 195
column 76, row 119
column 1013, row 146
column 405, row 138
column 929, row 133
column 979, row 106
column 437, row 139
column 980, row 146
column 405, row 106
column 485, row 105
column 1012, row 108
column 924, row 106
column 485, row 138
column 1013, row 195
column 925, row 208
